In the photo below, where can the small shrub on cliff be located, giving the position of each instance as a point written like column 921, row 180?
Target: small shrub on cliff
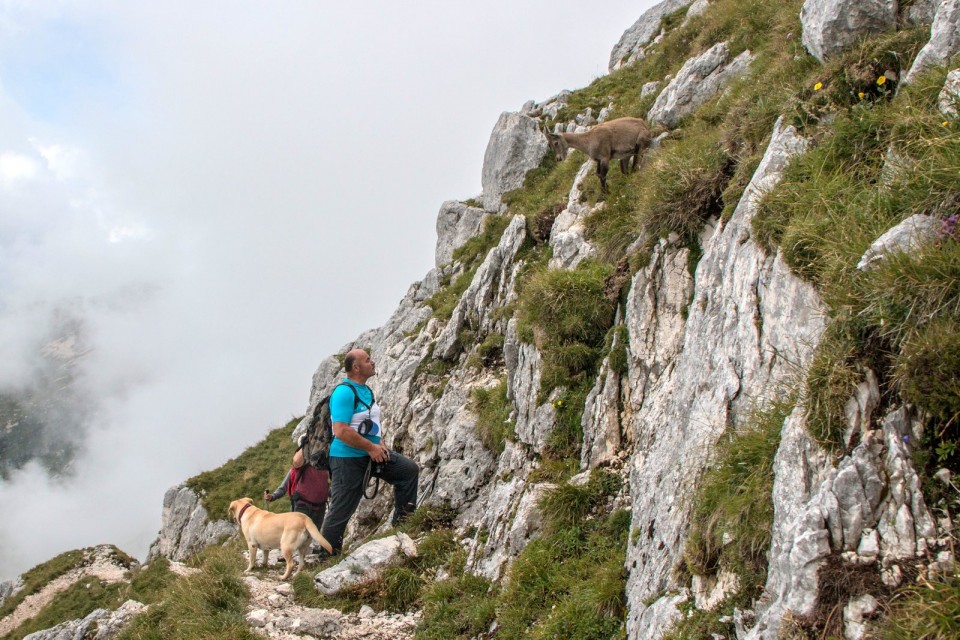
column 570, row 583
column 734, row 497
column 493, row 415
column 928, row 610
column 463, row 606
column 685, row 184
column 444, row 301
column 544, row 188
column 564, row 313
column 733, row 512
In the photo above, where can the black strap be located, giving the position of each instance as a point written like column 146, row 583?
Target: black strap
column 356, row 396
column 366, row 481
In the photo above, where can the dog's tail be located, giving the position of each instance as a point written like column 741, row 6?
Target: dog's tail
column 317, row 536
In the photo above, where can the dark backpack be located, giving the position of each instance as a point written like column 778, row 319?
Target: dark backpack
column 316, row 449
column 311, row 486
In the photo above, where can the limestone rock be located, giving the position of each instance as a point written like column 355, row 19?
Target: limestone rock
column 363, row 561
column 186, row 527
column 949, row 97
column 921, row 11
column 832, row 26
column 511, row 521
column 602, row 438
column 661, row 616
column 698, row 8
column 944, row 40
column 642, row 32
column 697, row 81
column 709, row 591
column 10, row 587
column 568, row 235
column 649, row 88
column 855, row 614
column 534, row 420
column 749, row 323
column 908, row 236
column 456, row 223
column 516, row 146
column 100, row 624
column 489, row 289
column 860, row 407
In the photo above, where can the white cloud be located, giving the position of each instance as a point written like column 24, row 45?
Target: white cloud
column 61, row 159
column 15, row 167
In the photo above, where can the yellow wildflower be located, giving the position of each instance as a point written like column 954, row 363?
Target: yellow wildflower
column 861, row 95
column 945, row 123
column 881, row 80
column 818, row 86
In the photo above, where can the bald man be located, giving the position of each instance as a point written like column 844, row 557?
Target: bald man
column 357, row 444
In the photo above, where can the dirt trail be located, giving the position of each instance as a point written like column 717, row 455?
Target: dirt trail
column 273, row 613
column 103, row 566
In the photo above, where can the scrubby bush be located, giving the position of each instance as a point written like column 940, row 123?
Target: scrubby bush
column 493, row 411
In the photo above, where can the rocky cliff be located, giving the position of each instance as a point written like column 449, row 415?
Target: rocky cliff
column 704, row 331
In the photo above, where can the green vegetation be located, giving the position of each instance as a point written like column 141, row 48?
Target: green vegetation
column 77, row 601
column 41, row 575
column 733, row 516
column 493, row 415
column 488, row 353
column 210, row 604
column 901, row 317
column 570, row 582
column 262, row 466
column 544, row 190
column 684, row 184
column 565, row 314
column 469, row 256
column 459, row 607
column 927, row 610
column 85, row 595
column 444, row 301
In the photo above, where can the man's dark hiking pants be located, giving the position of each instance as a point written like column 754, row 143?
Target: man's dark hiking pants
column 346, row 491
column 314, row 512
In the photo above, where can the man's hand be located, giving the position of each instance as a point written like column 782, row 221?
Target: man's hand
column 380, row 453
column 266, row 496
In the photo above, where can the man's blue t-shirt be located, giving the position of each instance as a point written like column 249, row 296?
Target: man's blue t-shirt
column 342, row 403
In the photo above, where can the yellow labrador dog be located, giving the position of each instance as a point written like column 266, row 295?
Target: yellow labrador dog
column 284, row 531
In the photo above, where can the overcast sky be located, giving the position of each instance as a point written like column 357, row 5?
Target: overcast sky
column 226, row 193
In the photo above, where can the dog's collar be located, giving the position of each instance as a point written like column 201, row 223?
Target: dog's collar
column 245, row 507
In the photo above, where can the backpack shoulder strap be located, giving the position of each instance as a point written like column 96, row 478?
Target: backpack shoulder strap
column 356, row 396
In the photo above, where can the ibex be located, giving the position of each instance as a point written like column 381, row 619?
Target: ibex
column 618, row 139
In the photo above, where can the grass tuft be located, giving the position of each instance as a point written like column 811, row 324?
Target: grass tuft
column 493, row 411
column 210, row 604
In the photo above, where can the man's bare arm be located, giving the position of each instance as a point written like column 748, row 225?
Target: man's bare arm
column 348, row 436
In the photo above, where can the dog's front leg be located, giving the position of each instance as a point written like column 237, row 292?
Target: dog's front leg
column 251, row 556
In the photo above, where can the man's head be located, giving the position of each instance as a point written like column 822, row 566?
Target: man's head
column 359, row 365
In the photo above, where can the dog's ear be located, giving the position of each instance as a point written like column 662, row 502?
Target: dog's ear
column 230, row 508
